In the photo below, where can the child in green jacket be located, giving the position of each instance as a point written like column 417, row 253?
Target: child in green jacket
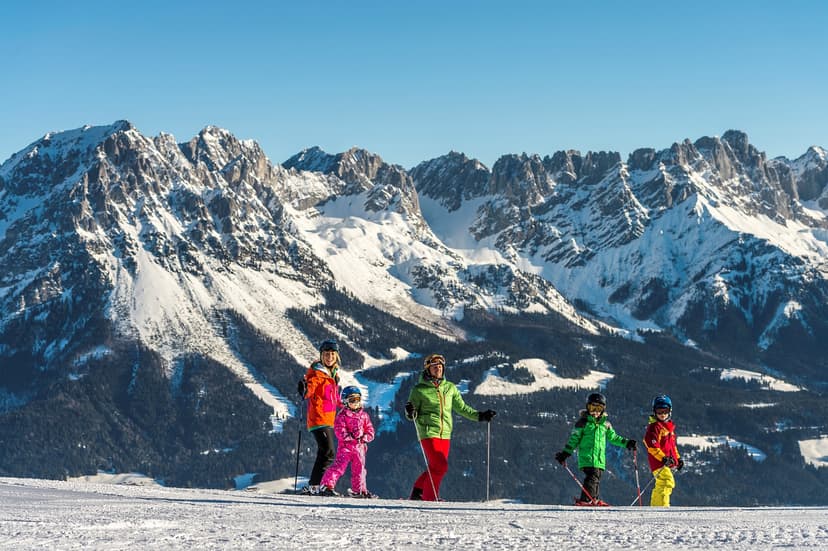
column 589, row 436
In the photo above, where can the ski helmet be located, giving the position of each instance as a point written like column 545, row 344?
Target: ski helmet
column 597, row 398
column 329, row 344
column 350, row 391
column 662, row 401
column 434, row 359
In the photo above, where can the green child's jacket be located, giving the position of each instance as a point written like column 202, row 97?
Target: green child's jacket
column 589, row 436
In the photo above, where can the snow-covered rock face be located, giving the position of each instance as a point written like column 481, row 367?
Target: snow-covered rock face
column 697, row 239
column 708, row 240
column 159, row 238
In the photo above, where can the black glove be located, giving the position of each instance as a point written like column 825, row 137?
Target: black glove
column 630, row 444
column 302, row 387
column 409, row 410
column 561, row 456
column 668, row 461
column 680, row 464
column 486, row 415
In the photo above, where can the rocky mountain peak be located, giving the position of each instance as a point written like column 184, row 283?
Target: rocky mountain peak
column 810, row 171
column 641, row 159
column 388, row 186
column 217, row 147
column 565, row 165
column 56, row 157
column 354, row 166
column 452, row 178
column 596, row 164
column 313, row 159
column 521, row 179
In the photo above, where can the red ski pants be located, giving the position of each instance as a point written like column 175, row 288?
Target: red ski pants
column 436, row 452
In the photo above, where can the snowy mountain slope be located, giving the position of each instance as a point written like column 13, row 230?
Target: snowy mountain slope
column 688, row 239
column 391, row 245
column 159, row 239
column 691, row 239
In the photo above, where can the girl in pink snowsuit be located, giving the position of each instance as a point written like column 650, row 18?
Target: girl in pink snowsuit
column 353, row 431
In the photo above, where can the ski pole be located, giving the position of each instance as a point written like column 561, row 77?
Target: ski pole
column 299, row 448
column 637, row 483
column 644, row 489
column 488, row 455
column 575, row 478
column 425, row 457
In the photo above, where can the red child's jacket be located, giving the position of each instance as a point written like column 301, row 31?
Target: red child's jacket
column 660, row 440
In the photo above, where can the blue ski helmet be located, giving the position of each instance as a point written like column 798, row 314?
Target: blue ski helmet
column 329, row 344
column 662, row 401
column 349, row 391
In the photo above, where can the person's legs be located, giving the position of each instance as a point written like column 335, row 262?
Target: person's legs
column 437, row 452
column 357, row 459
column 664, row 484
column 324, row 453
column 337, row 469
column 592, row 482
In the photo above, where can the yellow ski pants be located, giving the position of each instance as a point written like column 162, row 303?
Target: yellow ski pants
column 664, row 484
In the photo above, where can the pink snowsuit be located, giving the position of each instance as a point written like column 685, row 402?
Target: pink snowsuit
column 353, row 431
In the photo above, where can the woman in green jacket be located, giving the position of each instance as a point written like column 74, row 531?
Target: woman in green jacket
column 430, row 406
column 589, row 436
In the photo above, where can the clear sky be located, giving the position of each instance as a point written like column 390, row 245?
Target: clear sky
column 411, row 80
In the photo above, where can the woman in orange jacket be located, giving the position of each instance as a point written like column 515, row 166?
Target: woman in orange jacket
column 320, row 387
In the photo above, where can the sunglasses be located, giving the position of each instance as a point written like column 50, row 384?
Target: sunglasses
column 595, row 408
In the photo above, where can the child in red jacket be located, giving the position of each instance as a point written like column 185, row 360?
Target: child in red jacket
column 662, row 453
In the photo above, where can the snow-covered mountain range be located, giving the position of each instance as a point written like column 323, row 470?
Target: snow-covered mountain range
column 704, row 240
column 110, row 236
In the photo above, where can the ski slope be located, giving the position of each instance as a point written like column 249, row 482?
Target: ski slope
column 40, row 514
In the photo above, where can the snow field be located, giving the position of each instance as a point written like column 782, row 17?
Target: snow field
column 40, row 514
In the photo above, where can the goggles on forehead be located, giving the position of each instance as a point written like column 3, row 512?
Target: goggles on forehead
column 595, row 408
column 435, row 359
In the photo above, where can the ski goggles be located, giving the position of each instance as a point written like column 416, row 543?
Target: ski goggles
column 595, row 408
column 435, row 359
column 660, row 411
column 353, row 399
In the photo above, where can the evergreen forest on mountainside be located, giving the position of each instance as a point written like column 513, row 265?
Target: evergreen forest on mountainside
column 122, row 414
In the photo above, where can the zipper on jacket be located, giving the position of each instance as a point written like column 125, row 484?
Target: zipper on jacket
column 441, row 399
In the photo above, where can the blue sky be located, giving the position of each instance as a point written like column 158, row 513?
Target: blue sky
column 413, row 80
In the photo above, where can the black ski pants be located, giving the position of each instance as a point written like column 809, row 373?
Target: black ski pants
column 592, row 482
column 325, row 453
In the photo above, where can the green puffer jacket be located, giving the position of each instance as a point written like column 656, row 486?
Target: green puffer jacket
column 434, row 405
column 589, row 436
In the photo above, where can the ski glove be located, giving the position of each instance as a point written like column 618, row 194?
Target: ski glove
column 561, row 456
column 668, row 461
column 630, row 444
column 409, row 410
column 680, row 464
column 486, row 415
column 302, row 387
